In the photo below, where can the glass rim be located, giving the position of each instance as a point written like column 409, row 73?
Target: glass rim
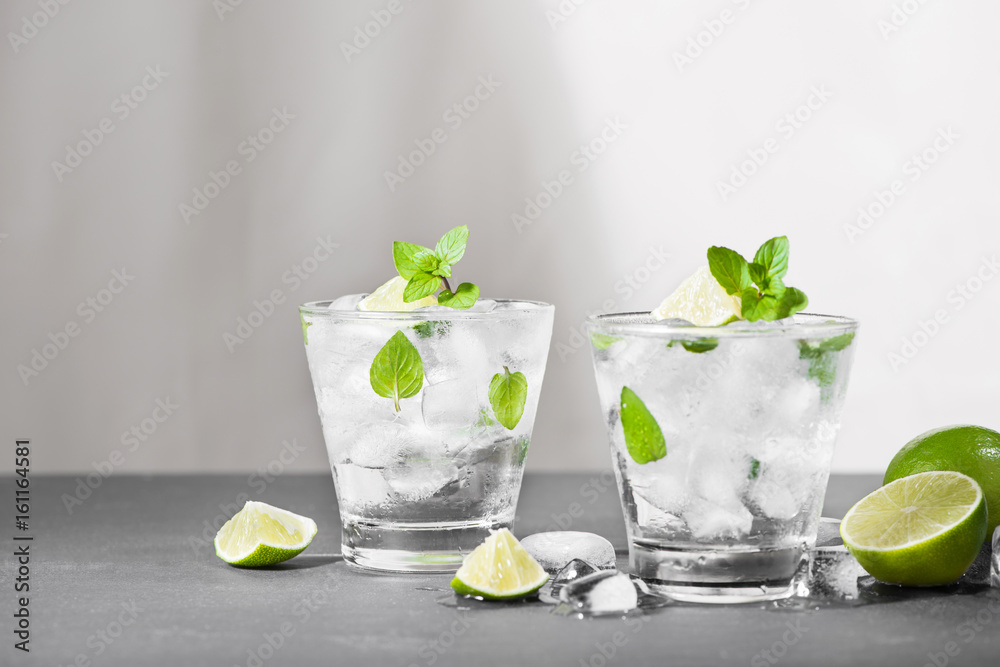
column 824, row 325
column 322, row 309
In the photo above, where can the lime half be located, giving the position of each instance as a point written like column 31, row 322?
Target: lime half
column 499, row 569
column 260, row 534
column 700, row 300
column 921, row 530
column 389, row 297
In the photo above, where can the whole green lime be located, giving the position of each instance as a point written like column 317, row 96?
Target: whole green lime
column 971, row 450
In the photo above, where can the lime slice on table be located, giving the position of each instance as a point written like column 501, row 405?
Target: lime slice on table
column 700, row 300
column 389, row 297
column 921, row 530
column 499, row 569
column 260, row 534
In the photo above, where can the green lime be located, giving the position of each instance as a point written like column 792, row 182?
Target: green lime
column 921, row 530
column 499, row 569
column 971, row 450
column 260, row 534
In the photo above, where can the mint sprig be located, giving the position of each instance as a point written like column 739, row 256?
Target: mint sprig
column 397, row 370
column 428, row 271
column 643, row 437
column 759, row 284
column 508, row 393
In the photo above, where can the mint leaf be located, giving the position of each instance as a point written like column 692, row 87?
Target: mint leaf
column 522, row 449
column 397, row 370
column 451, row 247
column 700, row 345
column 643, row 437
column 405, row 256
column 463, row 297
column 729, row 268
column 758, row 274
column 507, row 394
column 421, row 285
column 822, row 361
column 754, row 468
column 773, row 257
column 790, row 301
column 431, row 327
column 305, row 325
column 602, row 341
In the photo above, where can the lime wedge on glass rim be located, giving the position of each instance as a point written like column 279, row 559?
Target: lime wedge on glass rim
column 389, row 297
column 499, row 569
column 921, row 530
column 260, row 535
column 700, row 300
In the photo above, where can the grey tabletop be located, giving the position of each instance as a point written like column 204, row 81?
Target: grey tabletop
column 127, row 576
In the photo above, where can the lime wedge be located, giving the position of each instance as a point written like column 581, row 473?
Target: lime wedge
column 389, row 297
column 700, row 300
column 921, row 530
column 260, row 534
column 499, row 569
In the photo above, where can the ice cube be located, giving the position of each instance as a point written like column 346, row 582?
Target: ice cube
column 707, row 519
column 995, row 572
column 381, row 445
column 772, row 498
column 347, row 302
column 603, row 592
column 573, row 570
column 556, row 549
column 418, row 480
column 450, row 405
column 828, row 533
column 359, row 487
column 833, row 574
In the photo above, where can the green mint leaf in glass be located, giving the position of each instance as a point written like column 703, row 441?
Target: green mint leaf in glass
column 420, row 285
column 405, row 255
column 508, row 392
column 521, row 447
column 602, row 341
column 822, row 361
column 754, row 468
column 643, row 437
column 451, row 247
column 700, row 345
column 773, row 257
column 463, row 297
column 305, row 325
column 431, row 328
column 397, row 370
column 729, row 268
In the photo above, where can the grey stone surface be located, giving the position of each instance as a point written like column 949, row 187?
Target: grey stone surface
column 135, row 541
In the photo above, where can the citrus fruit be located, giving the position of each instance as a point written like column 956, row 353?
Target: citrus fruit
column 389, row 297
column 972, row 450
column 260, row 534
column 921, row 530
column 499, row 569
column 700, row 300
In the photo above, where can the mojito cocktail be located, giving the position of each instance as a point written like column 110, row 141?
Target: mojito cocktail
column 721, row 436
column 427, row 415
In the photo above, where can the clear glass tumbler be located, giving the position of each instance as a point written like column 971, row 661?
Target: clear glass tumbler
column 722, row 439
column 424, row 465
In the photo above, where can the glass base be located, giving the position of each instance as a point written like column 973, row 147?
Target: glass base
column 430, row 547
column 721, row 577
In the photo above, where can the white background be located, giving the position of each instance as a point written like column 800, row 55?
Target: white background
column 687, row 125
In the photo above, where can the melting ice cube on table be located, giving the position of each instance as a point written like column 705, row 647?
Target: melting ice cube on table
column 603, row 592
column 575, row 569
column 833, row 571
column 555, row 549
